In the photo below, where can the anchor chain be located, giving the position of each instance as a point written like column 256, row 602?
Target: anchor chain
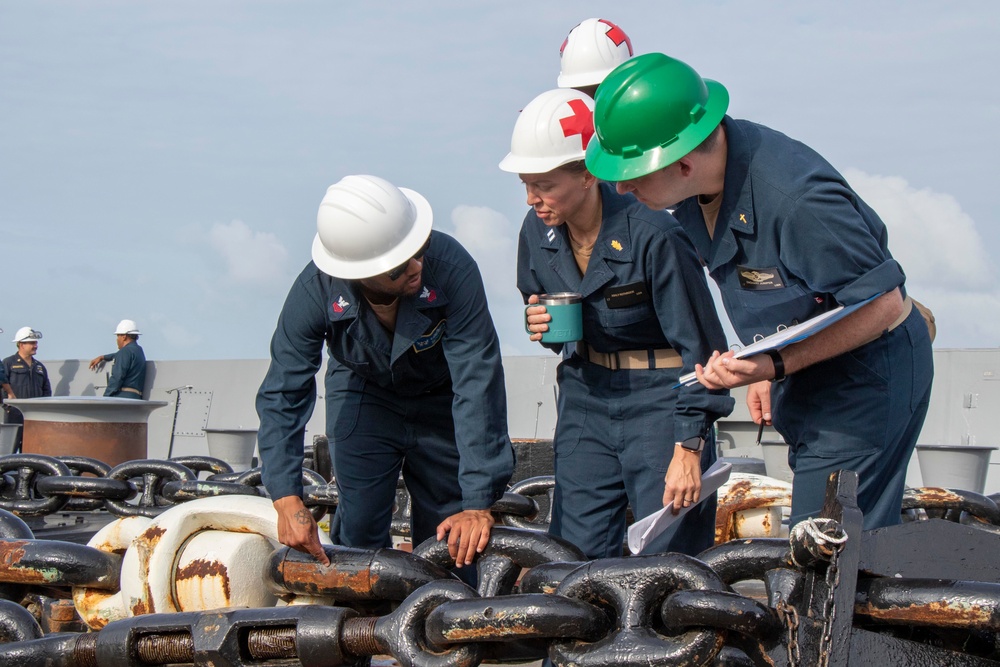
column 536, row 596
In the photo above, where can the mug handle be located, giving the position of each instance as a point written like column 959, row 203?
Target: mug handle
column 526, row 317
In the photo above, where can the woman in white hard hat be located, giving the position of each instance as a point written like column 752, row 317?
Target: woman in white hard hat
column 128, row 375
column 592, row 49
column 414, row 380
column 625, row 434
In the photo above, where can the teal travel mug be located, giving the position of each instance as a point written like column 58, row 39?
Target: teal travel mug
column 567, row 317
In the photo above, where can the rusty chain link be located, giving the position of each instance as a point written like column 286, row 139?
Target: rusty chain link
column 535, row 598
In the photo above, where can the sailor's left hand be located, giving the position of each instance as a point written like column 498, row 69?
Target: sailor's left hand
column 468, row 533
column 724, row 371
column 682, row 483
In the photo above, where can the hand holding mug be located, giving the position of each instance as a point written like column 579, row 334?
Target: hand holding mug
column 536, row 318
column 554, row 318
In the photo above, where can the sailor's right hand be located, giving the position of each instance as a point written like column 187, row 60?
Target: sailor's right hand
column 536, row 318
column 759, row 402
column 97, row 363
column 297, row 528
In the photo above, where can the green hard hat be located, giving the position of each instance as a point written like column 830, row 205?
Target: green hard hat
column 649, row 112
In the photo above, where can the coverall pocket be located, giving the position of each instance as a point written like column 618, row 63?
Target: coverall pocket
column 345, row 419
column 871, row 361
column 359, row 367
column 572, row 409
column 762, row 308
column 922, row 369
column 838, row 408
column 623, row 317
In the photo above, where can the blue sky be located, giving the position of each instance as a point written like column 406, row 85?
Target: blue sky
column 164, row 161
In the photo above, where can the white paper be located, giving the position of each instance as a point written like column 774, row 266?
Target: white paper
column 788, row 335
column 643, row 531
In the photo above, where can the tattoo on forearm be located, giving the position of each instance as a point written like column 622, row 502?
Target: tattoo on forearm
column 303, row 517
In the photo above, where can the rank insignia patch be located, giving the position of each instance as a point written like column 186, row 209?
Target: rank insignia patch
column 340, row 305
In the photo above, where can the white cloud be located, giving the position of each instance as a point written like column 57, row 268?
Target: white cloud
column 932, row 237
column 491, row 239
column 254, row 258
column 176, row 334
column 944, row 256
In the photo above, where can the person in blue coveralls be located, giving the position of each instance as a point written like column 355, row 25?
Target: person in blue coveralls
column 625, row 433
column 786, row 239
column 414, row 380
column 128, row 375
column 3, row 371
column 25, row 377
column 590, row 51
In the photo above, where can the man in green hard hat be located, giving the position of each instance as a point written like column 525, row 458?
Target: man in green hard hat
column 786, row 239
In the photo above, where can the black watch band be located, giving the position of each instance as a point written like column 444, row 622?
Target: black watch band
column 779, row 365
column 695, row 444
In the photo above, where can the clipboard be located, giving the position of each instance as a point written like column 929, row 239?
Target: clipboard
column 789, row 335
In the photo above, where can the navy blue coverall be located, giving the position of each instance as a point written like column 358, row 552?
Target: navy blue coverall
column 793, row 240
column 128, row 375
column 428, row 398
column 26, row 380
column 616, row 429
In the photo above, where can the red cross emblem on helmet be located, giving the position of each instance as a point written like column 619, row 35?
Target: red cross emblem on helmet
column 581, row 122
column 617, row 36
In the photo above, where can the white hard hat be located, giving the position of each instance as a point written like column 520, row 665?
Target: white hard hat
column 367, row 226
column 551, row 131
column 27, row 333
column 590, row 51
column 127, row 327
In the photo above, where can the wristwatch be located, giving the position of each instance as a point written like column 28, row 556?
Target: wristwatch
column 694, row 444
column 779, row 365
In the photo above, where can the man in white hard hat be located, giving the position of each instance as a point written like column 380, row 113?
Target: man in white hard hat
column 128, row 375
column 588, row 54
column 26, row 377
column 414, row 381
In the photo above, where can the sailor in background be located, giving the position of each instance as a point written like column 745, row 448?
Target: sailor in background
column 3, row 372
column 786, row 239
column 25, row 377
column 625, row 433
column 414, row 380
column 590, row 51
column 128, row 375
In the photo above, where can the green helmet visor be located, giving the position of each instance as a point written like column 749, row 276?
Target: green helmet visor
column 650, row 112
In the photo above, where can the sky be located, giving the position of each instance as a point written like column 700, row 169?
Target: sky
column 164, row 161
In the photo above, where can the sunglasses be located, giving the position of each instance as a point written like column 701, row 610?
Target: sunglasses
column 399, row 270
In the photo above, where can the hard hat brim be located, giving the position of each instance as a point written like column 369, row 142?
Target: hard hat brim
column 582, row 79
column 516, row 164
column 609, row 166
column 403, row 251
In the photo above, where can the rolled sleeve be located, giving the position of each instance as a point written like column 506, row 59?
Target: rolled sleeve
column 834, row 249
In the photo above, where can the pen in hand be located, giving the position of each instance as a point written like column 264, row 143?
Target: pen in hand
column 760, row 430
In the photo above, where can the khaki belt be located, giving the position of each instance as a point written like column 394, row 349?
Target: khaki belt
column 632, row 360
column 907, row 309
column 131, row 390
